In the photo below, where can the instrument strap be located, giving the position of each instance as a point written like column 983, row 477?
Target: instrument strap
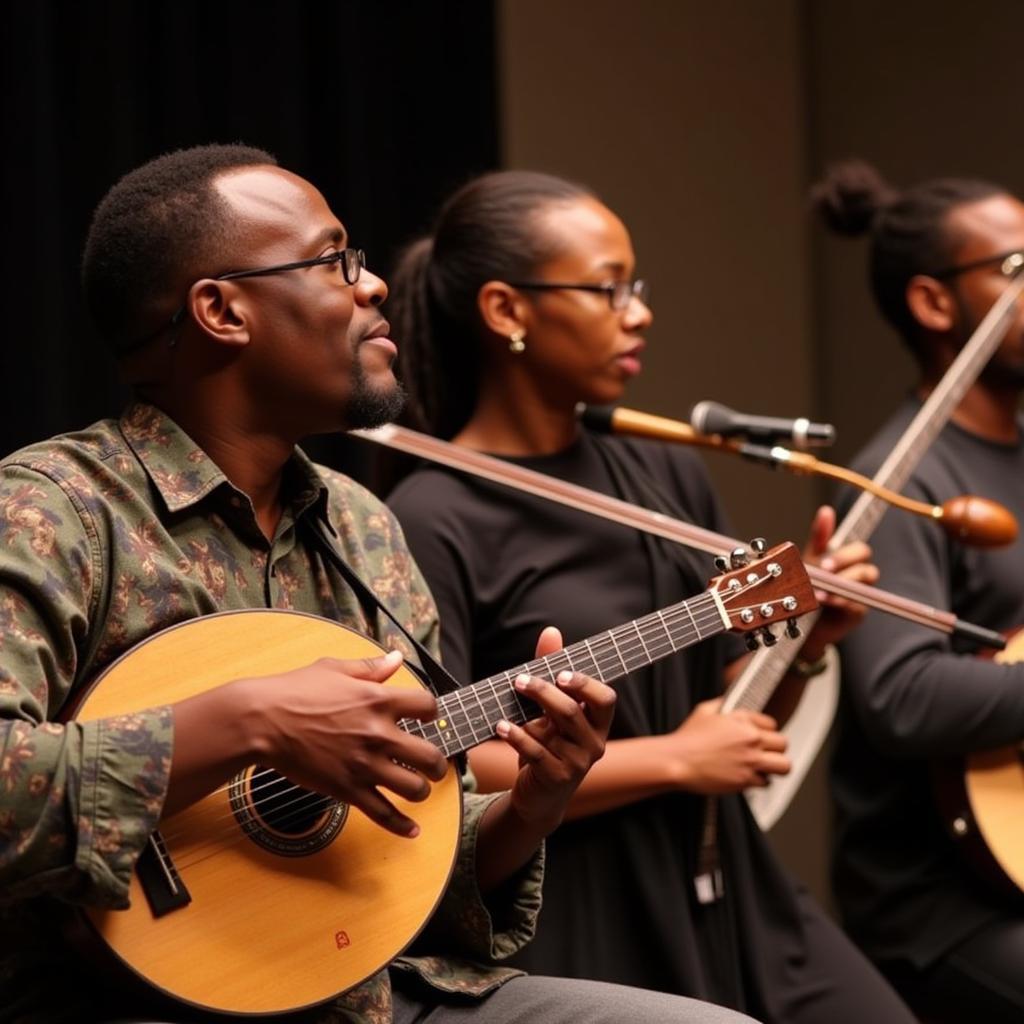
column 430, row 671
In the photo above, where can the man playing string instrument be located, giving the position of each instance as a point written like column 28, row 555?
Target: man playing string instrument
column 941, row 253
column 227, row 290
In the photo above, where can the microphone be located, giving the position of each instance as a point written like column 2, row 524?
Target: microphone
column 801, row 433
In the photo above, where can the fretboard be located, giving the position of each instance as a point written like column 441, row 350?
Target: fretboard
column 468, row 716
column 765, row 670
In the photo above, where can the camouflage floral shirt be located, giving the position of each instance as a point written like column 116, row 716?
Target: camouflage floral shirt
column 107, row 536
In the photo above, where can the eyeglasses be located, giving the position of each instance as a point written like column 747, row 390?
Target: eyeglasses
column 620, row 293
column 1009, row 264
column 351, row 261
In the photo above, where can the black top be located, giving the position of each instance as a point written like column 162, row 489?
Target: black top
column 909, row 697
column 618, row 893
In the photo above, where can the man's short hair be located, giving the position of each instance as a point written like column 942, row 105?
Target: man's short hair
column 161, row 226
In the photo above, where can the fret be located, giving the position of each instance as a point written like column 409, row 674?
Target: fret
column 596, row 671
column 696, row 628
column 521, row 716
column 488, row 725
column 664, row 625
column 643, row 643
column 611, row 636
column 465, row 718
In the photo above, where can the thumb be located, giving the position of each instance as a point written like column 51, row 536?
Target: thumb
column 822, row 527
column 549, row 641
column 372, row 670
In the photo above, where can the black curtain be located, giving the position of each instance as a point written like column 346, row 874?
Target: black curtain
column 385, row 106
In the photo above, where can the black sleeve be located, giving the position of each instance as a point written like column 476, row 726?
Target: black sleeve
column 912, row 693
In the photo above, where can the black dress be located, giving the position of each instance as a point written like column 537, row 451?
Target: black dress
column 619, row 903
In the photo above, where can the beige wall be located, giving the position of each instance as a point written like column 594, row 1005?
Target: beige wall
column 702, row 125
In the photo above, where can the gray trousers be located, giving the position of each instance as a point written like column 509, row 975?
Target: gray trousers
column 538, row 1000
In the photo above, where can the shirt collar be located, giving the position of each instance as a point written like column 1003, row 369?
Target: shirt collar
column 183, row 474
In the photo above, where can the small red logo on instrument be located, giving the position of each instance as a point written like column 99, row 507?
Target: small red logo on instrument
column 341, row 940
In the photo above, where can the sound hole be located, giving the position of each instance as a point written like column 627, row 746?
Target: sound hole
column 281, row 817
column 282, row 806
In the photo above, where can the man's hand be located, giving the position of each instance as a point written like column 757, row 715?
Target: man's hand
column 556, row 750
column 838, row 615
column 330, row 727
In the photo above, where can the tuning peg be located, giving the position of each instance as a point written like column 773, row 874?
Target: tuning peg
column 750, row 639
column 721, row 563
column 768, row 637
column 759, row 546
column 738, row 558
column 793, row 629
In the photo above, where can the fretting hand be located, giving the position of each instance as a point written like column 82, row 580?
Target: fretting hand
column 838, row 614
column 557, row 749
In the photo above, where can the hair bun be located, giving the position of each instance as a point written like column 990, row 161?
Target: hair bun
column 850, row 195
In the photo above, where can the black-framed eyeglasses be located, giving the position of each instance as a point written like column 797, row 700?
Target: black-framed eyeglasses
column 1009, row 264
column 352, row 262
column 620, row 293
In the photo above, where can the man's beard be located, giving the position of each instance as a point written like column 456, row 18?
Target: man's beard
column 1001, row 371
column 370, row 406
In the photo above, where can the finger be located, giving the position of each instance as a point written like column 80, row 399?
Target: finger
column 846, row 556
column 415, row 702
column 773, row 764
column 549, row 641
column 384, row 813
column 528, row 749
column 774, row 741
column 565, row 714
column 863, row 572
column 822, row 527
column 758, row 718
column 597, row 697
column 372, row 670
column 403, row 781
column 419, row 754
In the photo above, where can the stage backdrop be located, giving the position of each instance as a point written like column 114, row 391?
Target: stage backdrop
column 385, row 107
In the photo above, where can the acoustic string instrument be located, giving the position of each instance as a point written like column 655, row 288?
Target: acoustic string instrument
column 266, row 898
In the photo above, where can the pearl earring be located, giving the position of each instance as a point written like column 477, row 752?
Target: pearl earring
column 516, row 344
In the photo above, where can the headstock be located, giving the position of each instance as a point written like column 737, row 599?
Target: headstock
column 769, row 588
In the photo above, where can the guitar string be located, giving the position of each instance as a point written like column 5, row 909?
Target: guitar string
column 308, row 798
column 309, row 801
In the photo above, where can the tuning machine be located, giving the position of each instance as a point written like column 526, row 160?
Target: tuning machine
column 738, row 558
column 768, row 638
column 793, row 630
column 750, row 639
column 759, row 546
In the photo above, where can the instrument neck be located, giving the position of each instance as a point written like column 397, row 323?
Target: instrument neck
column 468, row 716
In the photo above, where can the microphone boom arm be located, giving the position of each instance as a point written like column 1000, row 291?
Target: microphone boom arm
column 970, row 519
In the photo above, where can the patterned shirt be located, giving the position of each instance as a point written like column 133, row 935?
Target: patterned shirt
column 107, row 536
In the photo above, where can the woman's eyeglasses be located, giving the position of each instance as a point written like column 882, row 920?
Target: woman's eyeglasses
column 620, row 293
